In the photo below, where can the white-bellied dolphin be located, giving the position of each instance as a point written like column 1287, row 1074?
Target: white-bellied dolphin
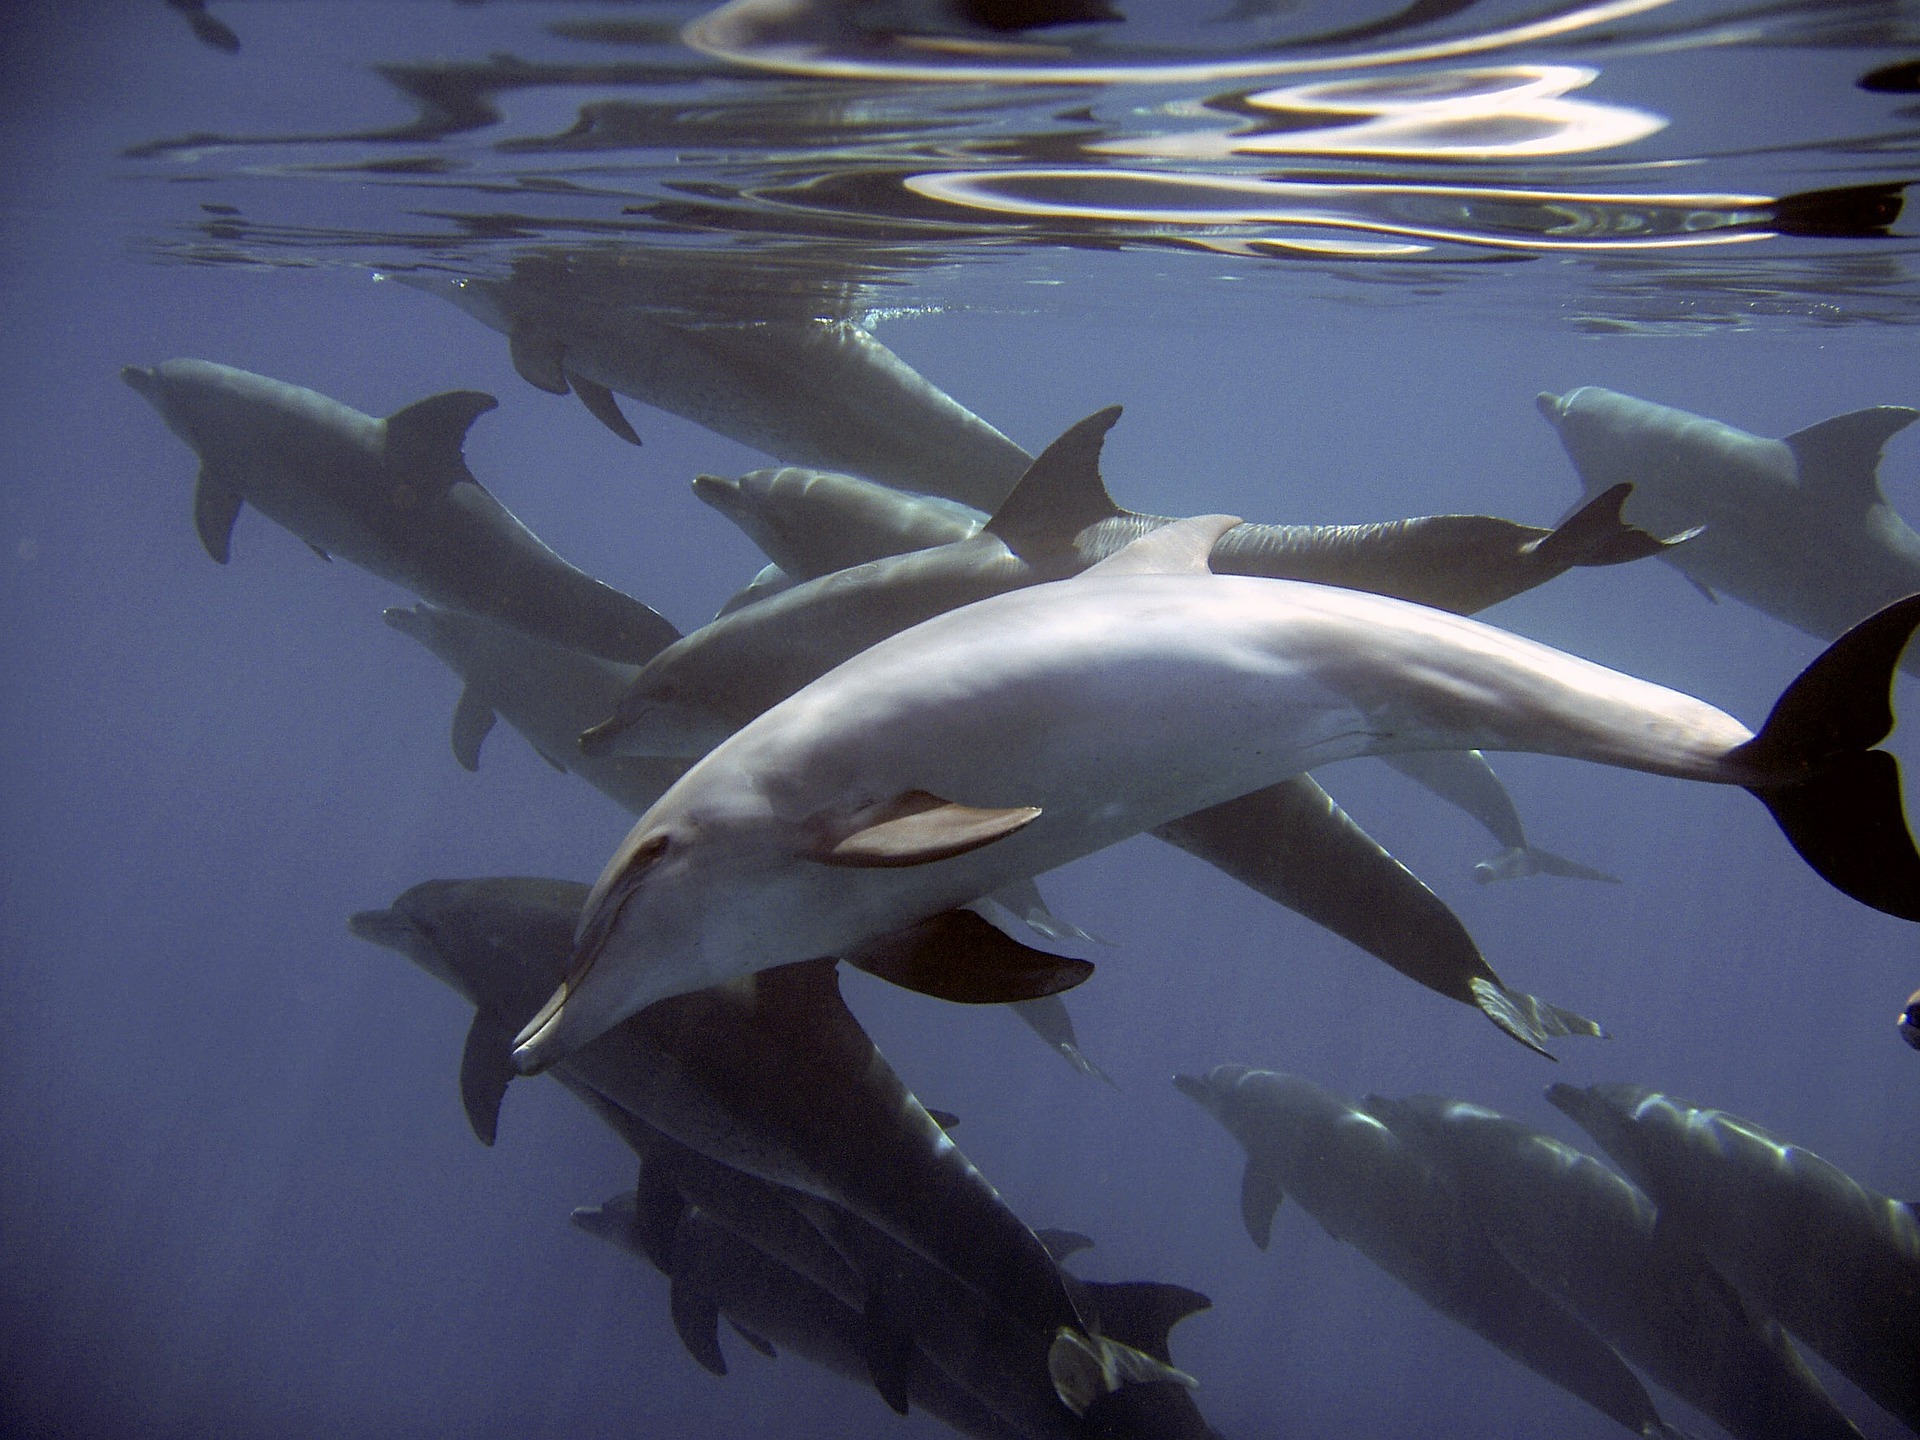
column 1367, row 1187
column 799, row 387
column 394, row 496
column 1837, row 1263
column 1798, row 528
column 1023, row 731
column 772, row 1075
column 1589, row 1239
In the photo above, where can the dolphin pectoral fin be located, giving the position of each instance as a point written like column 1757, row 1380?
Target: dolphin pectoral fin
column 1260, row 1195
column 1524, row 860
column 959, row 956
column 486, row 1069
column 696, row 1320
column 539, row 356
column 945, row 1119
column 603, row 407
column 1704, row 589
column 596, row 741
column 424, row 439
column 1061, row 492
column 215, row 508
column 321, row 553
column 1814, row 768
column 472, row 720
column 1048, row 1018
column 1527, row 1018
column 1181, row 548
column 758, row 1342
column 886, row 1342
column 915, row 828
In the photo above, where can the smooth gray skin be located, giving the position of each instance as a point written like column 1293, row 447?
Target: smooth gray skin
column 1367, row 1187
column 1059, row 522
column 1798, row 528
column 818, row 392
column 773, row 1076
column 1228, row 684
column 811, row 523
column 394, row 496
column 1837, row 1264
column 549, row 694
column 1588, row 1239
column 545, row 692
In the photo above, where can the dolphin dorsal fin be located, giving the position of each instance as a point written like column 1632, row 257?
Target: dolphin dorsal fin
column 424, row 439
column 486, row 1068
column 1062, row 1244
column 1181, row 548
column 1061, row 492
column 1839, row 459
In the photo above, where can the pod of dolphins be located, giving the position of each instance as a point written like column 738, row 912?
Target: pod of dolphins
column 965, row 666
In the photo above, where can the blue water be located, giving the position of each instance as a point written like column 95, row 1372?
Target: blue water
column 239, row 1197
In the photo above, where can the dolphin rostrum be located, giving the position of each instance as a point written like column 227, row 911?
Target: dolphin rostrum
column 1836, row 1262
column 1023, row 731
column 1590, row 1240
column 1798, row 528
column 1371, row 1189
column 394, row 496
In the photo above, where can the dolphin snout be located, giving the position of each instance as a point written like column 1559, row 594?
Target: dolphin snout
column 718, row 491
column 1553, row 407
column 139, row 377
column 382, row 927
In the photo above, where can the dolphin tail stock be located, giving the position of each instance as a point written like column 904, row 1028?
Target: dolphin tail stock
column 1522, row 860
column 1835, row 796
column 1597, row 533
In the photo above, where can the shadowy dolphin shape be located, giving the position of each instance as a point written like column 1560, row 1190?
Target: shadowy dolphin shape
column 394, row 496
column 1370, row 1189
column 1798, row 528
column 1838, row 1263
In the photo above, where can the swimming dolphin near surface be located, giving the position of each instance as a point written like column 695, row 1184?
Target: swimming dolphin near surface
column 1589, row 1240
column 1836, row 1262
column 1797, row 527
column 394, row 496
column 772, row 1075
column 804, row 389
column 1371, row 1189
column 1018, row 733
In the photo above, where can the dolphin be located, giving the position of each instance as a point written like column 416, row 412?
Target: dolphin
column 799, row 387
column 1836, row 1262
column 1369, row 1188
column 544, row 691
column 1023, row 731
column 1798, row 528
column 1589, row 1240
column 772, row 1075
column 1910, row 1021
column 394, row 496
column 1465, row 779
column 1060, row 521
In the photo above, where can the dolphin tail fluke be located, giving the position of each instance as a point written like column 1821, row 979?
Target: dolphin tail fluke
column 1598, row 534
column 1527, row 1018
column 1524, row 860
column 1836, row 797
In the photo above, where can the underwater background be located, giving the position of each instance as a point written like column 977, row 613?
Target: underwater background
column 239, row 1197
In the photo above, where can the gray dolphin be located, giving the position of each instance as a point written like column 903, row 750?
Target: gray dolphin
column 1023, row 731
column 1837, row 1263
column 394, row 496
column 1589, row 1239
column 1060, row 521
column 809, row 390
column 1798, row 528
column 773, row 1076
column 1367, row 1187
column 544, row 691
